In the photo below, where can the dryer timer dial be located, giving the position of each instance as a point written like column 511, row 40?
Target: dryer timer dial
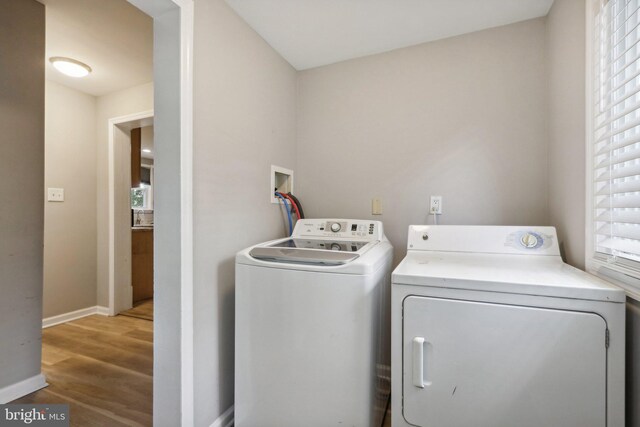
column 335, row 227
column 530, row 240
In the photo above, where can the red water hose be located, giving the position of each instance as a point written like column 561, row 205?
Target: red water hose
column 294, row 204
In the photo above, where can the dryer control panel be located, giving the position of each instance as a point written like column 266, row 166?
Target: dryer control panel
column 357, row 229
column 484, row 239
column 529, row 240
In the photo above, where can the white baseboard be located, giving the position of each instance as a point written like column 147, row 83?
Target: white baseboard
column 22, row 388
column 224, row 420
column 73, row 315
column 102, row 311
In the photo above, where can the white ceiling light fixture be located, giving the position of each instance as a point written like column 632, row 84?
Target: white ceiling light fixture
column 146, row 150
column 70, row 67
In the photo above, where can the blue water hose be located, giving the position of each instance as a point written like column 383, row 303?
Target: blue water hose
column 286, row 208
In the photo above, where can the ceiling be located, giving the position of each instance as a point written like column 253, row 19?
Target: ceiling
column 311, row 33
column 111, row 36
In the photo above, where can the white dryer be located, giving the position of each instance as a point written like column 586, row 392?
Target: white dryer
column 310, row 327
column 491, row 329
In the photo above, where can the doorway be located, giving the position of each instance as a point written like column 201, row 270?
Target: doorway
column 127, row 224
column 173, row 111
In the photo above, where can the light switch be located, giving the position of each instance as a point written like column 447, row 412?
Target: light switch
column 55, row 194
column 376, row 206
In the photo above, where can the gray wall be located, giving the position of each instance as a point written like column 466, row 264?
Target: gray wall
column 167, row 265
column 464, row 118
column 70, row 227
column 77, row 231
column 244, row 122
column 22, row 44
column 566, row 63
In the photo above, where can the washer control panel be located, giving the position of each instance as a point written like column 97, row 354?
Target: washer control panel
column 339, row 228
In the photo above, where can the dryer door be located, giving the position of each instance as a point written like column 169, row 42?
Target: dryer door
column 492, row 365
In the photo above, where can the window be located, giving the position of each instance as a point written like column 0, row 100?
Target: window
column 140, row 198
column 614, row 141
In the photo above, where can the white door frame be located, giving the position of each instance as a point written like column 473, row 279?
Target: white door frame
column 187, row 373
column 186, row 211
column 155, row 8
column 133, row 120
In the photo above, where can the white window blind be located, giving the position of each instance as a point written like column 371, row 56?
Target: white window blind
column 616, row 132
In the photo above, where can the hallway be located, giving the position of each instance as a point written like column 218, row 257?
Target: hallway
column 102, row 367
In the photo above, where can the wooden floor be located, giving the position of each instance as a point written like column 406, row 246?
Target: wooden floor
column 102, row 367
column 141, row 310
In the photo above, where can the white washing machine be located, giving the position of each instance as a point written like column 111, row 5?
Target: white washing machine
column 310, row 327
column 491, row 329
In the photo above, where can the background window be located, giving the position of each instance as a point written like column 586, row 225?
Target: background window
column 614, row 141
column 140, row 197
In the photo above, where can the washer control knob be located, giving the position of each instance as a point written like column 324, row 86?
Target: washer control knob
column 529, row 240
column 335, row 227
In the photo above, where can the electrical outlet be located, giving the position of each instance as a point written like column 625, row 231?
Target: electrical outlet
column 436, row 205
column 55, row 194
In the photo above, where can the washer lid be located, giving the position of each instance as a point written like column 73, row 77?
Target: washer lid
column 302, row 256
column 311, row 251
column 516, row 274
column 360, row 257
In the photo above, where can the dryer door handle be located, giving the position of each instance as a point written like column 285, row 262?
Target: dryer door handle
column 418, row 362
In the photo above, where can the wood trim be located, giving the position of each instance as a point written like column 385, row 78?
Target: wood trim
column 136, row 156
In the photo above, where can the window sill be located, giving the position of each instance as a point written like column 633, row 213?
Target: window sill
column 617, row 275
